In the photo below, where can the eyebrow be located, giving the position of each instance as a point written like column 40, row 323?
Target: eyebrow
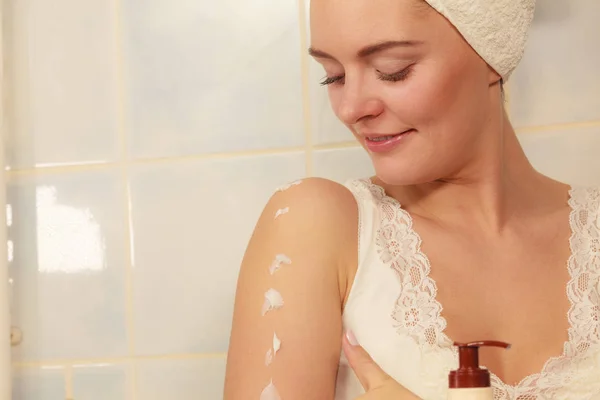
column 369, row 50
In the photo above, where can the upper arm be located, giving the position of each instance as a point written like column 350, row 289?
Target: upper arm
column 316, row 235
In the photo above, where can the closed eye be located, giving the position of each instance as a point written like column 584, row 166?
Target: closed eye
column 332, row 79
column 395, row 77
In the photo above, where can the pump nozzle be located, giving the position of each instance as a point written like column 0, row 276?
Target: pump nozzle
column 469, row 374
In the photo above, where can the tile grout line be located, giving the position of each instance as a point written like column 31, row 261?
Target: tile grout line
column 152, row 161
column 9, row 89
column 554, row 127
column 251, row 153
column 6, row 381
column 129, row 265
column 69, row 363
column 124, row 170
column 350, row 144
column 69, row 382
column 306, row 105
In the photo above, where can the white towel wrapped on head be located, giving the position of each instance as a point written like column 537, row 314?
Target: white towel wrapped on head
column 495, row 29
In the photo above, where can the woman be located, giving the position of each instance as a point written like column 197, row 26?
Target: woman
column 459, row 238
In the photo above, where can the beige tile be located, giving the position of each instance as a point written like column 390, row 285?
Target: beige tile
column 343, row 164
column 67, row 260
column 205, row 77
column 62, row 76
column 38, row 383
column 181, row 379
column 191, row 223
column 569, row 155
column 558, row 79
column 103, row 382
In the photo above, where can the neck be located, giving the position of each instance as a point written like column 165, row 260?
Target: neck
column 490, row 191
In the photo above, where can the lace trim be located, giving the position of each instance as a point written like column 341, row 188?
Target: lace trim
column 418, row 313
column 358, row 191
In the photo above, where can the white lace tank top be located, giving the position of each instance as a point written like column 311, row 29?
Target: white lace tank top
column 393, row 311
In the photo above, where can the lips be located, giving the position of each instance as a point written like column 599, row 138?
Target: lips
column 385, row 143
column 382, row 137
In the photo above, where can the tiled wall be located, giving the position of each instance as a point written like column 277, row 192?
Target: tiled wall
column 144, row 138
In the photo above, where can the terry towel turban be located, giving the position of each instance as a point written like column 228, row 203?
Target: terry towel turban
column 495, row 29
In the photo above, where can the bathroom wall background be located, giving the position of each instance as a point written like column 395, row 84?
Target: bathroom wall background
column 144, row 137
column 5, row 323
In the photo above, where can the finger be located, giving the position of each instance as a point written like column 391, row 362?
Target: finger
column 370, row 375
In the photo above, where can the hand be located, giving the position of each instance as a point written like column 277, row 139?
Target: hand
column 377, row 384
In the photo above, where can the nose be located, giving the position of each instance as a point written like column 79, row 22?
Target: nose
column 356, row 104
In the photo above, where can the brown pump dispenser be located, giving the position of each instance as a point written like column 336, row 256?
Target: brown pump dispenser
column 469, row 374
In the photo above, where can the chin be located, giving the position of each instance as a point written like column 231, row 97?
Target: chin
column 404, row 172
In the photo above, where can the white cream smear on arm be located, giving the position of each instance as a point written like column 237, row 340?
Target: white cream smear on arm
column 269, row 357
column 273, row 301
column 279, row 260
column 281, row 212
column 276, row 344
column 288, row 185
column 272, row 352
column 270, row 393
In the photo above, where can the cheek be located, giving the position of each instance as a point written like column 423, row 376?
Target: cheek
column 416, row 102
column 436, row 100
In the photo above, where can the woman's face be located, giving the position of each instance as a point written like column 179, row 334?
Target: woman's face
column 407, row 85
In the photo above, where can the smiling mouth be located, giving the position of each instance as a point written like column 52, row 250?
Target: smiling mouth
column 387, row 137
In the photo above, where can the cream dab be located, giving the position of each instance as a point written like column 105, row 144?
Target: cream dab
column 276, row 344
column 272, row 352
column 279, row 260
column 270, row 393
column 269, row 357
column 288, row 185
column 273, row 301
column 282, row 211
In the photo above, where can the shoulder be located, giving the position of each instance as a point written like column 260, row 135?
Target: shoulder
column 313, row 213
column 323, row 191
column 322, row 195
column 311, row 200
column 319, row 218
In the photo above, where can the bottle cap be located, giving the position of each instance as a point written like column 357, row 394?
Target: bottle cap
column 469, row 374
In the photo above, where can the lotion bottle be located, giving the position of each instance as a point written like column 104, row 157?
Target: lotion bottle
column 469, row 381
